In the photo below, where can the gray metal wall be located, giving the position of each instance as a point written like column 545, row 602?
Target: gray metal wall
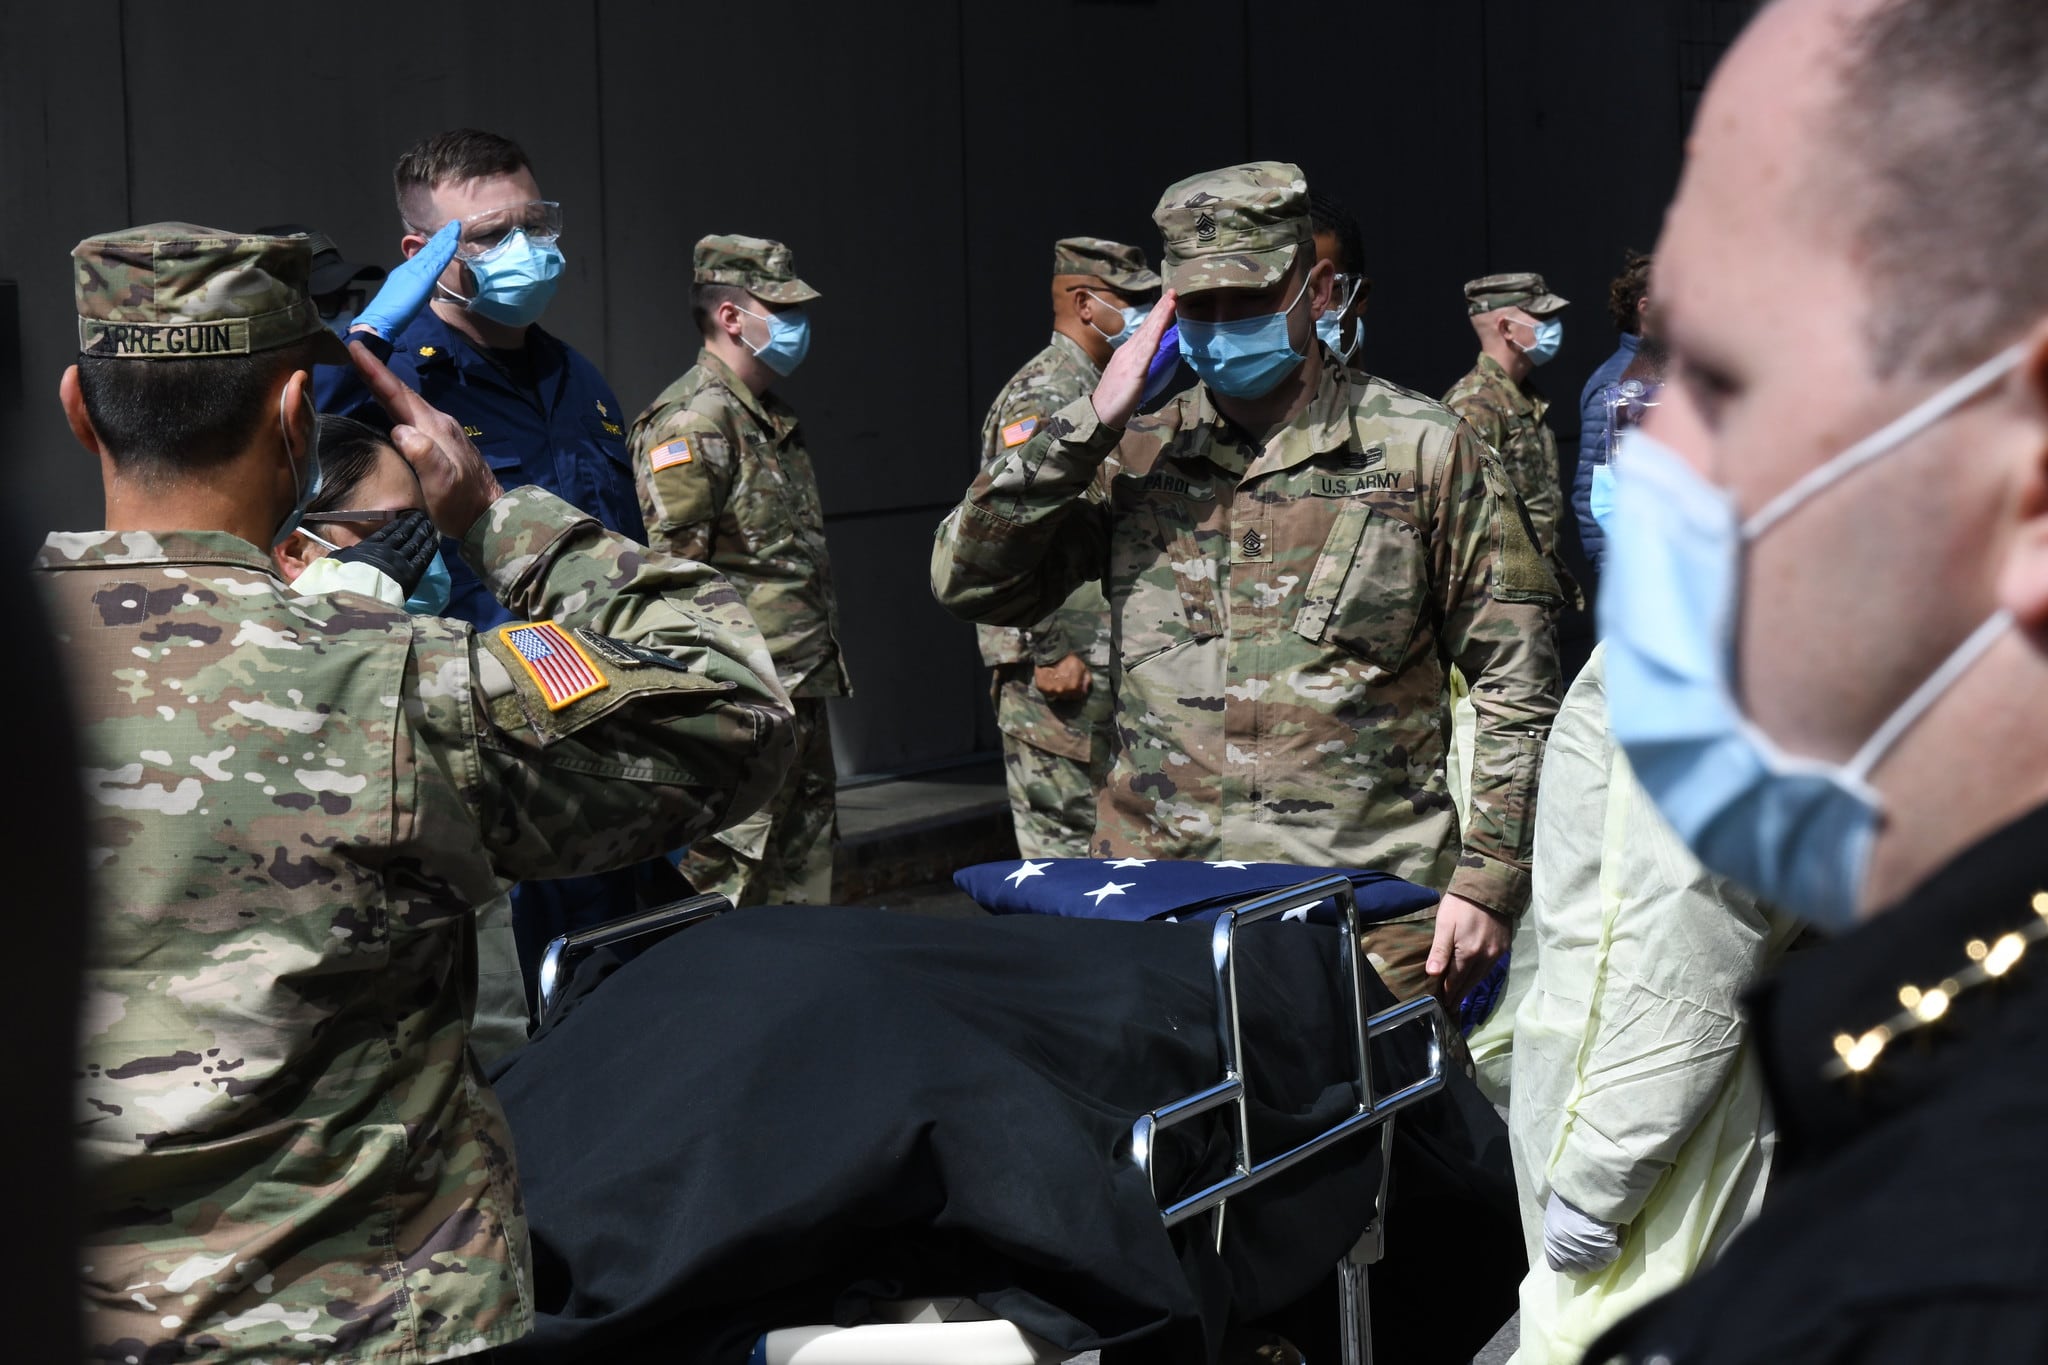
column 920, row 158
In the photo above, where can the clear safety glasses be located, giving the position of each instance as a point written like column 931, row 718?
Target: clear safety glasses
column 539, row 219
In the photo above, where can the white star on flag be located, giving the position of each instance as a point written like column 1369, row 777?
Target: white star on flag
column 1029, row 869
column 1131, row 862
column 1231, row 862
column 1108, row 889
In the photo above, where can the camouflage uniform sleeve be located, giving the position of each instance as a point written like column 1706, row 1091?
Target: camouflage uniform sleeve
column 1498, row 596
column 686, row 730
column 1484, row 417
column 683, row 466
column 1027, row 533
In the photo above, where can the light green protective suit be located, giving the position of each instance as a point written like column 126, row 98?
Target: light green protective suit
column 1634, row 1094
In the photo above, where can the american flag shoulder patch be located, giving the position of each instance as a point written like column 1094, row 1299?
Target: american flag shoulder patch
column 670, row 453
column 1019, row 431
column 558, row 664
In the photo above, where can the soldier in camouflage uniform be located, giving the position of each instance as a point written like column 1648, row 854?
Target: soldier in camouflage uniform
column 295, row 804
column 725, row 478
column 1052, row 689
column 1290, row 567
column 1512, row 313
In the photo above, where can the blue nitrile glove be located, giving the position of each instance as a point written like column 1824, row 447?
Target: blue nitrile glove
column 408, row 287
column 1165, row 361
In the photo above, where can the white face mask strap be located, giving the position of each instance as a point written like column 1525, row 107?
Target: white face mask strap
column 291, row 459
column 764, row 321
column 1897, row 432
column 1926, row 694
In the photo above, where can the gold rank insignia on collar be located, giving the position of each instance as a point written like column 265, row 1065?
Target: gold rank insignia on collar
column 602, row 410
column 427, row 351
column 1920, row 1006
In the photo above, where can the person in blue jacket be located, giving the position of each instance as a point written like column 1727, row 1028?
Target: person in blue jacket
column 538, row 410
column 1628, row 299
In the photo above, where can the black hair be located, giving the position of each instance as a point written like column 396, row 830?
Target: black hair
column 1327, row 215
column 164, row 419
column 349, row 451
column 706, row 298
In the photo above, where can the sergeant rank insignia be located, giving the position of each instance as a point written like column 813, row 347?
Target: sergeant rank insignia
column 557, row 663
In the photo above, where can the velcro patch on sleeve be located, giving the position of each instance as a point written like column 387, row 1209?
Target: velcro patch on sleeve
column 1019, row 431
column 670, row 453
column 560, row 668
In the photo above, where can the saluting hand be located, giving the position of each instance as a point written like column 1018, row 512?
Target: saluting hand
column 1122, row 387
column 458, row 485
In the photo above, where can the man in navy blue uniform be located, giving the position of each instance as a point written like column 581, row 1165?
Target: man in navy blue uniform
column 537, row 409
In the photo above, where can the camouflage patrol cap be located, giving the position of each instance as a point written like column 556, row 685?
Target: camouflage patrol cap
column 1120, row 267
column 173, row 291
column 1525, row 291
column 1234, row 229
column 763, row 268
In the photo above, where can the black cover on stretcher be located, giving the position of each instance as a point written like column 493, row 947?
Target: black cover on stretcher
column 778, row 1115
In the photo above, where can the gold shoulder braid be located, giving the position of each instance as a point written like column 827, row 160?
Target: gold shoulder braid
column 1920, row 1007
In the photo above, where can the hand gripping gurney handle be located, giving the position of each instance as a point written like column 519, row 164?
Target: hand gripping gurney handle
column 1372, row 1109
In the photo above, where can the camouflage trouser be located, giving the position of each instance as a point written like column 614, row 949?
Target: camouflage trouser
column 1052, row 787
column 1399, row 952
column 782, row 855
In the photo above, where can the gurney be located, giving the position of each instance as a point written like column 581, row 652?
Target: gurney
column 959, row 1331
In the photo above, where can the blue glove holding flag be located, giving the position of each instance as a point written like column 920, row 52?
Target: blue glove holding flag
column 1165, row 361
column 407, row 288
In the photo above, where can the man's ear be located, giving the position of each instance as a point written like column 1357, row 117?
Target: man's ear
column 1322, row 285
column 2023, row 581
column 73, row 399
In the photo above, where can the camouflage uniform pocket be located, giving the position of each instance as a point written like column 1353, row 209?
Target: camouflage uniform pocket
column 1366, row 592
column 1162, row 585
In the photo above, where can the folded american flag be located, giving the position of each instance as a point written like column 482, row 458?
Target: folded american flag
column 1182, row 890
column 1169, row 888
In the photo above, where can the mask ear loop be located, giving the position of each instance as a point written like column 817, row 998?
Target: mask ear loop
column 1926, row 694
column 766, row 342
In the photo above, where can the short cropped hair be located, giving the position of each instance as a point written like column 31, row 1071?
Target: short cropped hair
column 462, row 154
column 1625, row 294
column 706, row 298
column 164, row 420
column 1944, row 113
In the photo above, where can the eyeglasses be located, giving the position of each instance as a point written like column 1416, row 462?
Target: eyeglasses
column 374, row 516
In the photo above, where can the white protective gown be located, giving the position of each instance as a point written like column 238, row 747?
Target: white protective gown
column 1633, row 1092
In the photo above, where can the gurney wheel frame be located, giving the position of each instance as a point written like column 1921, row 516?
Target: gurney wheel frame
column 1371, row 1111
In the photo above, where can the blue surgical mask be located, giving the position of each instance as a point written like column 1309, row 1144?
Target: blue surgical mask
column 430, row 598
column 1549, row 336
column 305, row 487
column 1330, row 324
column 789, row 339
column 1600, row 497
column 1133, row 316
column 515, row 279
column 1797, row 831
column 1243, row 359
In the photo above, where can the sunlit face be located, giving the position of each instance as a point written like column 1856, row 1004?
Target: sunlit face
column 487, row 207
column 1849, row 602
